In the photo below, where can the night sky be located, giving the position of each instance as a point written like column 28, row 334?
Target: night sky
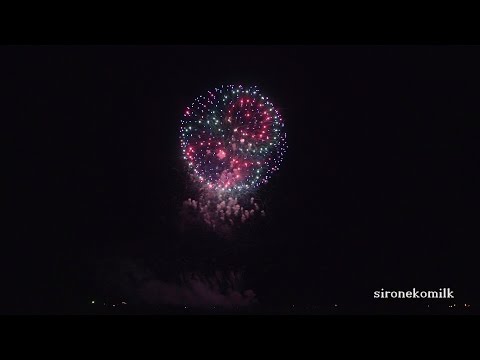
column 378, row 188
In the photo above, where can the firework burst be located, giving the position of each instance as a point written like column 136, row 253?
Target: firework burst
column 232, row 139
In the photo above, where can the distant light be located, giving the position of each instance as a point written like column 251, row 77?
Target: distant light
column 93, row 301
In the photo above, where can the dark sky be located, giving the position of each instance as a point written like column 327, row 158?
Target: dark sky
column 379, row 187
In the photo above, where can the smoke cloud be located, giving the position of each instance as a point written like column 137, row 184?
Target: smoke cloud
column 195, row 290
